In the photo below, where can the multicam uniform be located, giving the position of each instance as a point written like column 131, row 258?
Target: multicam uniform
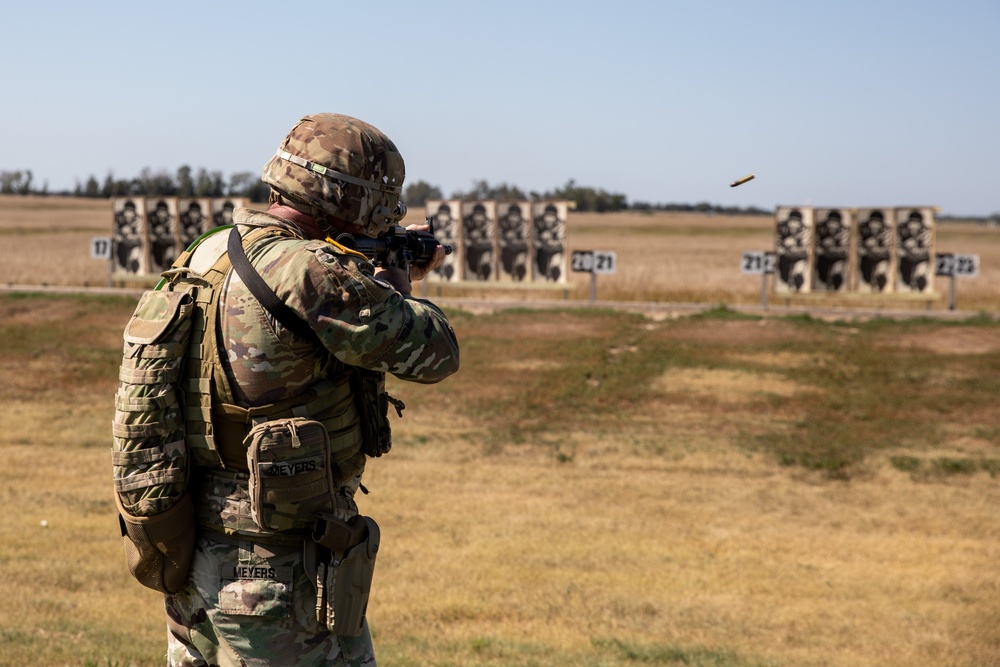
column 249, row 599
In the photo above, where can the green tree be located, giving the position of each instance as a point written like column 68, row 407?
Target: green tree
column 92, row 188
column 113, row 187
column 185, row 184
column 483, row 190
column 588, row 198
column 15, row 182
column 108, row 188
column 418, row 193
column 26, row 185
column 248, row 184
column 259, row 191
column 209, row 184
column 240, row 183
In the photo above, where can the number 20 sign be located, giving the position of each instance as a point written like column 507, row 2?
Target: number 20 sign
column 593, row 261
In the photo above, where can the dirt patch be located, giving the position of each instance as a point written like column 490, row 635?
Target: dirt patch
column 738, row 331
column 528, row 365
column 964, row 340
column 33, row 311
column 783, row 360
column 725, row 386
column 552, row 327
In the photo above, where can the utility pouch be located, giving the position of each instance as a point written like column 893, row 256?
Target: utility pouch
column 373, row 410
column 158, row 548
column 291, row 478
column 344, row 581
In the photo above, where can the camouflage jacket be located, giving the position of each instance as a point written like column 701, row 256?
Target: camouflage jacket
column 361, row 320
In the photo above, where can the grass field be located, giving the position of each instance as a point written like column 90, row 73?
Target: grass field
column 713, row 490
column 593, row 488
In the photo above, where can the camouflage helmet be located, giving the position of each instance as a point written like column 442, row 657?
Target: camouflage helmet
column 340, row 167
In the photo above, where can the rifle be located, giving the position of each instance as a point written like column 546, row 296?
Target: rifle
column 398, row 247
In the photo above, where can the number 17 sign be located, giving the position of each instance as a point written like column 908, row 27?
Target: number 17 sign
column 100, row 248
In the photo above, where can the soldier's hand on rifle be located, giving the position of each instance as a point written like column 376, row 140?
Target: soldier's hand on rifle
column 420, row 271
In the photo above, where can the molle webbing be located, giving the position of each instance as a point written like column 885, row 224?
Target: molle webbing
column 204, row 377
column 148, row 452
column 222, row 501
column 216, row 426
column 329, row 402
column 203, row 367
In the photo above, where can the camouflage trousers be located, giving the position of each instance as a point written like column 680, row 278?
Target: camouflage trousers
column 245, row 606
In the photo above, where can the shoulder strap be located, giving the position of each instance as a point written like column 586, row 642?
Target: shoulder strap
column 263, row 292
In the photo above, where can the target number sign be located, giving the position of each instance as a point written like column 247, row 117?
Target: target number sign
column 756, row 263
column 100, row 248
column 964, row 266
column 593, row 261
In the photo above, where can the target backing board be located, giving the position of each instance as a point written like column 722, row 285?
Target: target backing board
column 832, row 250
column 874, row 265
column 128, row 235
column 222, row 209
column 162, row 229
column 445, row 217
column 793, row 246
column 514, row 241
column 195, row 217
column 548, row 238
column 915, row 236
column 479, row 219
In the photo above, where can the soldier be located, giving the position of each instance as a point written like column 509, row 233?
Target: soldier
column 259, row 589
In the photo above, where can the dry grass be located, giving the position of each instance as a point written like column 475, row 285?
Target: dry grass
column 717, row 551
column 650, row 530
column 672, row 256
column 46, row 240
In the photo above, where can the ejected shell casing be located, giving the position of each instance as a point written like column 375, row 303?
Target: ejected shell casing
column 748, row 177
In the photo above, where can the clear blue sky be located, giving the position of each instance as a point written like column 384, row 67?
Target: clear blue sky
column 835, row 103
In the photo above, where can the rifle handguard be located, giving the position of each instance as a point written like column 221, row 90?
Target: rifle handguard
column 397, row 248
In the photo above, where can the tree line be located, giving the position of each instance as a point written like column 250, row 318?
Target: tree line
column 584, row 198
column 187, row 182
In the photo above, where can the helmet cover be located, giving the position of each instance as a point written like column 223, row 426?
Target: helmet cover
column 343, row 168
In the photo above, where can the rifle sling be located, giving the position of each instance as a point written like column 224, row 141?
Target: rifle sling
column 374, row 424
column 263, row 292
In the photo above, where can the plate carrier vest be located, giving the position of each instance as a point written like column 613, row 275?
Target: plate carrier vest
column 178, row 431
